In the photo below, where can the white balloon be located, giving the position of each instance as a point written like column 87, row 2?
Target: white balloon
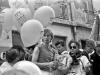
column 20, row 16
column 15, row 4
column 31, row 32
column 28, row 67
column 6, row 19
column 44, row 14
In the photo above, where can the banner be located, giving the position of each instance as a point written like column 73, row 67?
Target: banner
column 82, row 12
column 77, row 12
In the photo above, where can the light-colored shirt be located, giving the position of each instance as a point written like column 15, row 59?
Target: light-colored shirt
column 4, row 67
column 79, row 69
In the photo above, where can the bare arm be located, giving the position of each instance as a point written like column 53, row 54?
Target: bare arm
column 35, row 56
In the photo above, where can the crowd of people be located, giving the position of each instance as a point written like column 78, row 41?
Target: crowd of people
column 56, row 59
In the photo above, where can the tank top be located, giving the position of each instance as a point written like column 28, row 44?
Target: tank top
column 45, row 55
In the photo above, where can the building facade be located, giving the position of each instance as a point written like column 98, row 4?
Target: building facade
column 74, row 20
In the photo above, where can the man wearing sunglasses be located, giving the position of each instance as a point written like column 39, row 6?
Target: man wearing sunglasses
column 77, row 64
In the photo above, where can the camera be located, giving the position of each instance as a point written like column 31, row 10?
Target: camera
column 74, row 57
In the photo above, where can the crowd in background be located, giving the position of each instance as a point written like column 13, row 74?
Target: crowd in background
column 55, row 59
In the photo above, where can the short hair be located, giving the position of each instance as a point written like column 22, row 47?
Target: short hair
column 61, row 42
column 48, row 31
column 11, row 55
column 73, row 41
column 20, row 50
column 18, row 47
column 91, row 43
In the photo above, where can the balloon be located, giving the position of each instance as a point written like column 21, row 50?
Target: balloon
column 28, row 67
column 31, row 32
column 14, row 4
column 35, row 4
column 56, row 9
column 20, row 16
column 6, row 19
column 0, row 29
column 14, row 72
column 44, row 14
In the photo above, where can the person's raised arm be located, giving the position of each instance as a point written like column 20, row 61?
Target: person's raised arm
column 35, row 54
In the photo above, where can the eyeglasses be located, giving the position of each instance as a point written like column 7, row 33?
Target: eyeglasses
column 74, row 47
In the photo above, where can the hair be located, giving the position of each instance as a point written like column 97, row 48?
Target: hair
column 48, row 31
column 91, row 43
column 18, row 47
column 73, row 41
column 11, row 55
column 16, row 51
column 61, row 42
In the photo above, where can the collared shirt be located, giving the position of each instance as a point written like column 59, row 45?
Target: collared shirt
column 90, row 54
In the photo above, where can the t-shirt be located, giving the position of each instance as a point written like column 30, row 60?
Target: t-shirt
column 79, row 69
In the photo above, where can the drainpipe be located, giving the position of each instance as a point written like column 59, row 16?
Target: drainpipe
column 75, row 33
column 73, row 28
column 92, row 7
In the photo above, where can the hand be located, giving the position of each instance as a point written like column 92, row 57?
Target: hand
column 53, row 65
column 70, row 61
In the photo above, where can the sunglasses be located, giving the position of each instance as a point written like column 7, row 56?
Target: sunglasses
column 74, row 47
